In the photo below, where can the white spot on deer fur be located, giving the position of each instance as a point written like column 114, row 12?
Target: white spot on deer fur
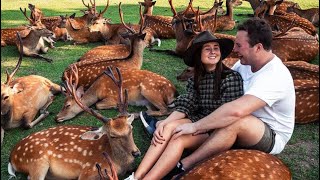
column 19, row 148
column 46, row 145
column 79, row 149
column 59, row 156
column 49, row 152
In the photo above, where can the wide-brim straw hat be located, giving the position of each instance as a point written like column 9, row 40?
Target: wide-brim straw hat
column 226, row 46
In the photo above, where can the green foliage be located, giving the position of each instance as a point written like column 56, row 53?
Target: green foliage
column 301, row 154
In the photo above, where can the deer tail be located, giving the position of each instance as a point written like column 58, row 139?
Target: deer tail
column 11, row 171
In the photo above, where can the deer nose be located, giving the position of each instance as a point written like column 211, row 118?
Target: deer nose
column 136, row 153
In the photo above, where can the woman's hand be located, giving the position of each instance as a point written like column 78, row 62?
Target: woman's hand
column 158, row 133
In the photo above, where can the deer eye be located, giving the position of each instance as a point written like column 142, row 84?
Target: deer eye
column 6, row 97
column 67, row 106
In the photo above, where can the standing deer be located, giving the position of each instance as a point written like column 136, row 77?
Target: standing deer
column 145, row 89
column 88, row 72
column 239, row 164
column 24, row 97
column 71, row 151
column 312, row 14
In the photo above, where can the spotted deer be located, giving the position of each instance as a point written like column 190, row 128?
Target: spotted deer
column 56, row 24
column 294, row 44
column 281, row 7
column 312, row 14
column 145, row 89
column 283, row 20
column 24, row 97
column 9, row 35
column 114, row 33
column 306, row 83
column 239, row 164
column 160, row 24
column 226, row 22
column 72, row 151
column 88, row 72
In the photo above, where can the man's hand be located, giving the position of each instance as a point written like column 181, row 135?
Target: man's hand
column 187, row 128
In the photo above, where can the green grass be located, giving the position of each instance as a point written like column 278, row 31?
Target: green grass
column 301, row 154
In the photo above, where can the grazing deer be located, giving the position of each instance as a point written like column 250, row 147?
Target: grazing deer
column 88, row 72
column 23, row 97
column 33, row 42
column 71, row 151
column 312, row 14
column 283, row 20
column 145, row 89
column 239, row 164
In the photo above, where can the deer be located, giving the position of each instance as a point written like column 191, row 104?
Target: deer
column 312, row 14
column 160, row 24
column 294, row 44
column 113, row 175
column 88, row 72
column 239, row 164
column 34, row 43
column 72, row 151
column 281, row 7
column 226, row 22
column 283, row 20
column 24, row 97
column 113, row 33
column 145, row 89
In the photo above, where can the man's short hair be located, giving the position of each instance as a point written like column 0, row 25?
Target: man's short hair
column 259, row 31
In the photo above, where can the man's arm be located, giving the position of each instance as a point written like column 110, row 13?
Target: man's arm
column 223, row 116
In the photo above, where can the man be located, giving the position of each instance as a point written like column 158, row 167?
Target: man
column 263, row 118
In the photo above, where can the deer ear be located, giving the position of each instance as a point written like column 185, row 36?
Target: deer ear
column 80, row 91
column 17, row 88
column 130, row 119
column 24, row 33
column 153, row 3
column 75, row 25
column 73, row 15
column 92, row 135
column 142, row 36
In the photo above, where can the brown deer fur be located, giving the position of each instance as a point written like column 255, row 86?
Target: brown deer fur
column 312, row 14
column 240, row 164
column 72, row 152
column 145, row 88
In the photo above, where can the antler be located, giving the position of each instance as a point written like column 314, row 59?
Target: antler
column 88, row 6
column 104, row 10
column 9, row 77
column 71, row 88
column 141, row 20
column 25, row 14
column 173, row 10
column 121, row 18
column 123, row 101
column 113, row 175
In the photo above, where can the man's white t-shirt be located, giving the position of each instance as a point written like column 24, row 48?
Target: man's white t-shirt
column 273, row 84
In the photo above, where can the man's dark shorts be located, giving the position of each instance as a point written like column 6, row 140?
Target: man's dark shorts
column 265, row 144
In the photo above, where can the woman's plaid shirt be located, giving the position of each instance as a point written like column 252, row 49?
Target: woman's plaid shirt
column 198, row 106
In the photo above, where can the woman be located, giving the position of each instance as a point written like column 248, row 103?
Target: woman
column 212, row 85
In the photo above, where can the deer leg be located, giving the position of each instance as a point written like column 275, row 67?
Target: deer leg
column 49, row 41
column 107, row 104
column 157, row 102
column 40, row 56
column 43, row 113
column 39, row 170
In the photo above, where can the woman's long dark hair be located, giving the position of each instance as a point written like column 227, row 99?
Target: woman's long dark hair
column 199, row 72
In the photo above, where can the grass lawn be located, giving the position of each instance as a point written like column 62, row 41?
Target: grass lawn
column 301, row 154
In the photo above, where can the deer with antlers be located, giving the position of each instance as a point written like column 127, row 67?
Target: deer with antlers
column 283, row 20
column 23, row 97
column 90, row 70
column 145, row 89
column 72, row 152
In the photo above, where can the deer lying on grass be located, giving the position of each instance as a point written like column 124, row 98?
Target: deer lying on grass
column 306, row 83
column 294, row 44
column 71, row 151
column 283, row 20
column 9, row 35
column 113, row 33
column 160, row 24
column 312, row 14
column 145, row 89
column 89, row 71
column 24, row 97
column 33, row 42
column 239, row 164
